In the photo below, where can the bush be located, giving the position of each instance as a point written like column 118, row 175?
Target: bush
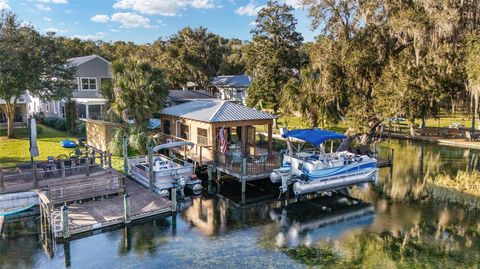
column 39, row 130
column 81, row 129
column 55, row 122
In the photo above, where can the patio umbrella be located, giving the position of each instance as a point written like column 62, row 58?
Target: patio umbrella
column 33, row 139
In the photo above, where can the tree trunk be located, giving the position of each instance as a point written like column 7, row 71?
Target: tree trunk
column 472, row 110
column 475, row 110
column 313, row 116
column 423, row 123
column 453, row 105
column 10, row 114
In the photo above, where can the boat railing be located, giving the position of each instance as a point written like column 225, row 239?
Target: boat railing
column 201, row 153
column 248, row 165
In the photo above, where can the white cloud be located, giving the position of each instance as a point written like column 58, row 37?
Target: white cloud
column 47, row 19
column 4, row 4
column 55, row 30
column 96, row 36
column 294, row 3
column 163, row 7
column 251, row 9
column 43, row 7
column 131, row 20
column 53, row 1
column 100, row 18
column 202, row 4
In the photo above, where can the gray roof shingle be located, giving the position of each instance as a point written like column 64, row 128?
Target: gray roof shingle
column 189, row 95
column 216, row 111
column 83, row 59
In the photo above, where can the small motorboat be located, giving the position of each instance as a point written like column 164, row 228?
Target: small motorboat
column 166, row 172
column 68, row 143
column 12, row 204
column 315, row 170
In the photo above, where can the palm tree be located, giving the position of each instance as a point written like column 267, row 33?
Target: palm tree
column 139, row 91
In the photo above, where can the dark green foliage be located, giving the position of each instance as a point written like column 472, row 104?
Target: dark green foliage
column 71, row 115
column 273, row 57
column 312, row 256
column 55, row 122
column 30, row 61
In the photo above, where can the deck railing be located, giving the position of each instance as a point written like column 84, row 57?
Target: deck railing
column 198, row 153
column 250, row 165
column 427, row 131
column 27, row 176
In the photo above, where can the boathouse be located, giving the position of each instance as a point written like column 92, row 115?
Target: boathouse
column 225, row 137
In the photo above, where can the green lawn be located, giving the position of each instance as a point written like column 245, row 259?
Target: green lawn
column 445, row 120
column 13, row 151
column 16, row 150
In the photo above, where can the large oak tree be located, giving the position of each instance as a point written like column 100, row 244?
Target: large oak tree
column 30, row 62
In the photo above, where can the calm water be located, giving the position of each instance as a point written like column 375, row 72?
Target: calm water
column 392, row 225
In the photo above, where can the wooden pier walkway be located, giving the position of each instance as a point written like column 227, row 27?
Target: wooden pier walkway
column 104, row 212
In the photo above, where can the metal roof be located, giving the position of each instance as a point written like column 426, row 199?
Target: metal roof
column 81, row 60
column 237, row 81
column 189, row 94
column 216, row 111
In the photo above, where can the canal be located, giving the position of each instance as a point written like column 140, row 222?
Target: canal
column 394, row 224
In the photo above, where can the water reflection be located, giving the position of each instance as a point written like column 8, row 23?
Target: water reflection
column 413, row 161
column 306, row 223
column 393, row 224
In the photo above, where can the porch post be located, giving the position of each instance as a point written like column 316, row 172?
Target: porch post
column 87, row 116
column 270, row 138
column 244, row 141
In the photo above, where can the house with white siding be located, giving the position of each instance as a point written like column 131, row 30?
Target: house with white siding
column 91, row 72
column 231, row 88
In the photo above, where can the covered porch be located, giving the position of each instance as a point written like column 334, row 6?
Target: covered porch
column 247, row 155
column 90, row 108
column 225, row 137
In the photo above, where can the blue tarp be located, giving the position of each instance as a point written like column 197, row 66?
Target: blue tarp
column 314, row 136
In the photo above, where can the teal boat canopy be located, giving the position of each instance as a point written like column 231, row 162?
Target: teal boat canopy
column 314, row 136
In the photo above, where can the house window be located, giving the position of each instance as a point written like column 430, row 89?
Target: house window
column 18, row 117
column 89, row 84
column 75, row 84
column 3, row 117
column 166, row 127
column 184, row 132
column 202, row 136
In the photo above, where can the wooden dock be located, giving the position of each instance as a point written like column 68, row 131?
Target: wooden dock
column 103, row 212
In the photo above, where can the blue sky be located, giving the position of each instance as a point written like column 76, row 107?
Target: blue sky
column 144, row 21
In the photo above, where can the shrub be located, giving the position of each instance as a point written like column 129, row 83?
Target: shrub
column 81, row 129
column 55, row 122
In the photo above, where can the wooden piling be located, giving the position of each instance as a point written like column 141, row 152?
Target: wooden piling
column 174, row 199
column 66, row 254
column 35, row 176
column 62, row 165
column 2, row 181
column 109, row 158
column 125, row 155
column 150, row 168
column 65, row 226
column 87, row 162
column 126, row 207
column 210, row 173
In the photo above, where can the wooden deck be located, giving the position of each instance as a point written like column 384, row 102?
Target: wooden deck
column 96, row 214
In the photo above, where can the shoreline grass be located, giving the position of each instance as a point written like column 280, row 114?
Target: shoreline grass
column 463, row 189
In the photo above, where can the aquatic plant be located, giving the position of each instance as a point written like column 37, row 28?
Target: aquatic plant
column 463, row 188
